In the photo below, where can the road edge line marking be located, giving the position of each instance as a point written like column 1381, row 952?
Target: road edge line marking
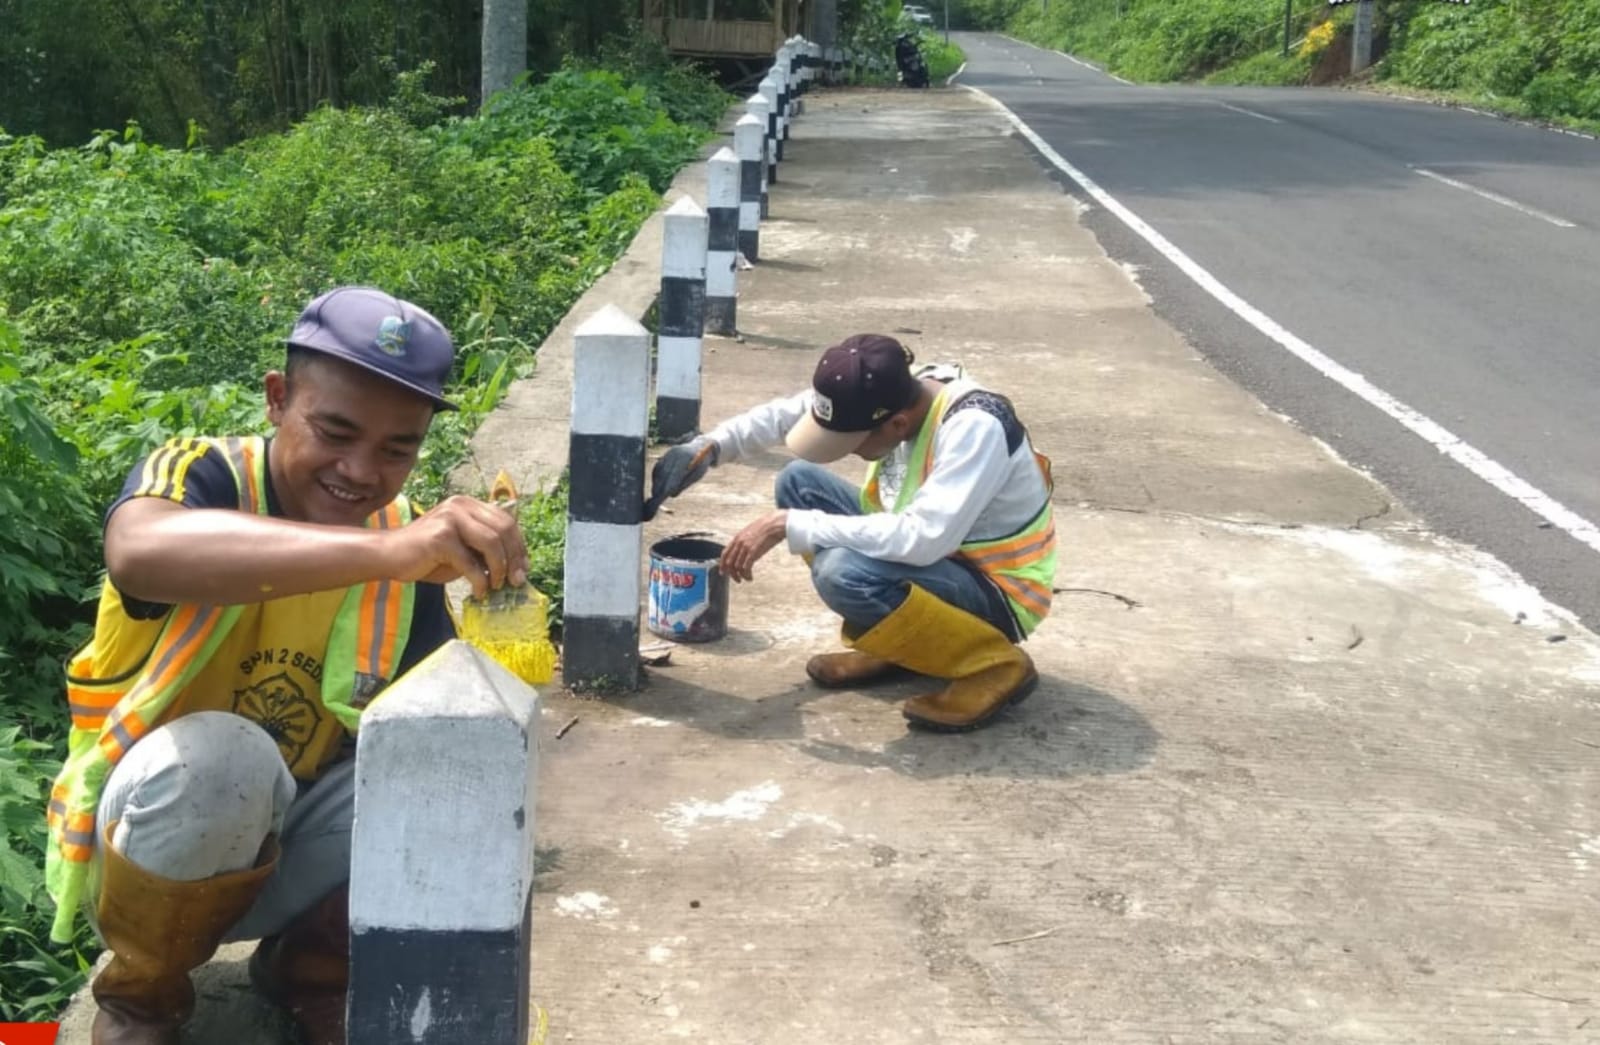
column 952, row 77
column 1442, row 439
column 1494, row 197
column 1247, row 112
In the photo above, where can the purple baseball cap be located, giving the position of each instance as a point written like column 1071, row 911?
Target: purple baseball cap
column 382, row 334
column 859, row 384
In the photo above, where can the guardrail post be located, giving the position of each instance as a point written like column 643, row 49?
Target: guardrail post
column 683, row 320
column 747, row 144
column 610, row 419
column 722, row 243
column 441, row 871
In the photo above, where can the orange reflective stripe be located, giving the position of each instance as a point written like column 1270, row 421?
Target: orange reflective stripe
column 1016, row 552
column 90, row 707
column 248, row 487
column 1031, row 593
column 378, row 628
column 122, row 730
column 188, row 630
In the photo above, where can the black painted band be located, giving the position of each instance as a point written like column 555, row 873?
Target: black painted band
column 607, row 478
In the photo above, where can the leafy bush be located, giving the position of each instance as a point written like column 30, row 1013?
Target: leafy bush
column 600, row 128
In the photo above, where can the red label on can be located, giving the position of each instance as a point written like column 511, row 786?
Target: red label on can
column 29, row 1033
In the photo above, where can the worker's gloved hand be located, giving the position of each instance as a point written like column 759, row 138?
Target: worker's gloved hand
column 681, row 467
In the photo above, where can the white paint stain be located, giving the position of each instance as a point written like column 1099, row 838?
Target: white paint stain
column 798, row 820
column 961, row 238
column 646, row 720
column 1587, row 847
column 421, row 1016
column 585, row 905
column 749, row 804
column 658, row 954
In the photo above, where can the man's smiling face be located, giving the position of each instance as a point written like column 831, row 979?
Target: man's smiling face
column 347, row 439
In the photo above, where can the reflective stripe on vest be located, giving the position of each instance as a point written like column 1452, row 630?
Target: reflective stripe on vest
column 110, row 715
column 1023, row 564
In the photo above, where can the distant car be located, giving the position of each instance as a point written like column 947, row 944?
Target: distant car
column 917, row 14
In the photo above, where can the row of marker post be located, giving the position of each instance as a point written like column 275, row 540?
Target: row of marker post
column 440, row 949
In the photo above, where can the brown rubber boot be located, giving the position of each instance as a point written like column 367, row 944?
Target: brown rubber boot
column 306, row 968
column 986, row 672
column 158, row 930
column 849, row 670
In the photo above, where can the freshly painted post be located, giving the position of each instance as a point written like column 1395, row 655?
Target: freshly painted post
column 780, row 72
column 1361, row 37
column 683, row 321
column 747, row 142
column 610, row 418
column 442, row 856
column 770, row 90
column 756, row 105
column 722, row 243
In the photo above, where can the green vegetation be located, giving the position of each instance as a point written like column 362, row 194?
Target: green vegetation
column 144, row 289
column 1538, row 58
column 943, row 58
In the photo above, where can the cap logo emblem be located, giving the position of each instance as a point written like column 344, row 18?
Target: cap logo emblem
column 393, row 333
column 823, row 408
column 880, row 413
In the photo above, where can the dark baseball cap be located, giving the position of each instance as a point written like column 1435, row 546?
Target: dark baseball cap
column 377, row 332
column 859, row 384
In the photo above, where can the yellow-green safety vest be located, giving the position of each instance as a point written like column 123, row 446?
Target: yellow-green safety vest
column 1023, row 564
column 110, row 715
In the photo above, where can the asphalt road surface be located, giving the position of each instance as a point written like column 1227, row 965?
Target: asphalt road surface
column 1450, row 259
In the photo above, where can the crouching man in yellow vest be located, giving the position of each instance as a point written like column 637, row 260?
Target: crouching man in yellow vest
column 941, row 563
column 259, row 593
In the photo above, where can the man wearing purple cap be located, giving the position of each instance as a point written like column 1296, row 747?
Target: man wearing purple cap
column 258, row 594
column 941, row 563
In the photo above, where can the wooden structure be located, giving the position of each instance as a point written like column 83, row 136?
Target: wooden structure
column 724, row 28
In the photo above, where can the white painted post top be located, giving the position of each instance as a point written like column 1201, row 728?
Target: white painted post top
column 723, row 155
column 446, row 772
column 685, row 207
column 611, row 321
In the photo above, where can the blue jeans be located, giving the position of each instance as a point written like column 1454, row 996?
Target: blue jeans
column 863, row 590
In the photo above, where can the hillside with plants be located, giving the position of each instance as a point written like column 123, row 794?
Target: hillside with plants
column 1536, row 58
column 146, row 287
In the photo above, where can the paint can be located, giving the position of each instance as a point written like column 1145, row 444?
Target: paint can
column 688, row 593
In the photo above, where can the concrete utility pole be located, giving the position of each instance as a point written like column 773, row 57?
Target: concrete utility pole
column 1361, row 44
column 1288, row 22
column 505, row 44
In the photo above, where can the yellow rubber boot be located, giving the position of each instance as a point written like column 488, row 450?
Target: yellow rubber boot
column 929, row 636
column 158, row 930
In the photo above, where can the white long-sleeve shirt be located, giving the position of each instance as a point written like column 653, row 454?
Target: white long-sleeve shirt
column 979, row 488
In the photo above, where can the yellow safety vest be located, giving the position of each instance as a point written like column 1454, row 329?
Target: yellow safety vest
column 1023, row 564
column 132, row 676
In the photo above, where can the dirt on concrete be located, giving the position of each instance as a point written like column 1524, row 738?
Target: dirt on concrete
column 1298, row 770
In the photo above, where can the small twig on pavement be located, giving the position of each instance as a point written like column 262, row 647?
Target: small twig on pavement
column 1031, row 936
column 564, row 729
column 1552, row 997
column 1130, row 603
column 1356, row 637
column 1586, row 743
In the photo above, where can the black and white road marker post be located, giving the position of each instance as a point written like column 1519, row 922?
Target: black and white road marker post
column 610, row 421
column 756, row 105
column 722, row 243
column 768, row 89
column 683, row 320
column 441, row 866
column 747, row 145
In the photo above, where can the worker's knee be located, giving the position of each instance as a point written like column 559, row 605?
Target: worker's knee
column 795, row 485
column 854, row 586
column 196, row 796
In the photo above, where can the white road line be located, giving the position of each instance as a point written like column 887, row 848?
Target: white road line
column 1495, row 197
column 1071, row 58
column 1446, row 442
column 1247, row 112
column 952, row 77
